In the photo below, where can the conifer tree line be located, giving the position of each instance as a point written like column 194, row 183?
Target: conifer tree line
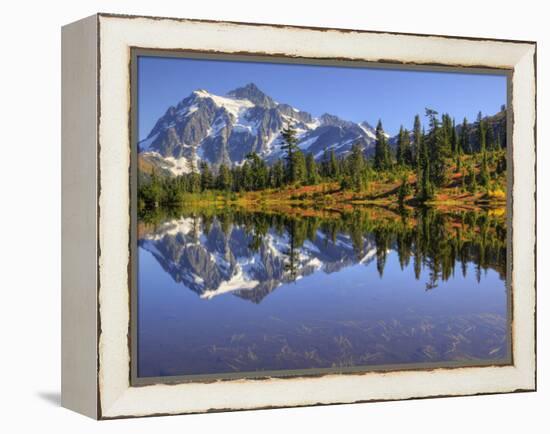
column 476, row 237
column 427, row 154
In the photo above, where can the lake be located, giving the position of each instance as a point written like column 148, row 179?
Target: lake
column 231, row 291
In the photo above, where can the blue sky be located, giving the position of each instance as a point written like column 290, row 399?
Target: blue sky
column 355, row 94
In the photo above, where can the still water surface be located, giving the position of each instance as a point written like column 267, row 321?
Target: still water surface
column 246, row 292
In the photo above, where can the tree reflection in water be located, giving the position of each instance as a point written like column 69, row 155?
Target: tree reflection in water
column 437, row 241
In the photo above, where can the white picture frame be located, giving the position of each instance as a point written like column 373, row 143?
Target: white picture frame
column 96, row 158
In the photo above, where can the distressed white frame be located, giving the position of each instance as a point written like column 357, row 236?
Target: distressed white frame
column 116, row 398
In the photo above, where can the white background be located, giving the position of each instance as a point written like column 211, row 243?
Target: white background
column 30, row 216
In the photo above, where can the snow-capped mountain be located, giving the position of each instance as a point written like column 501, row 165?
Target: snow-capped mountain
column 224, row 129
column 216, row 262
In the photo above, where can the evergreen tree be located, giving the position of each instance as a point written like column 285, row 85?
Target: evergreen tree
column 312, row 172
column 458, row 159
column 403, row 147
column 482, row 133
column 258, row 171
column 418, row 154
column 150, row 193
column 472, row 186
column 424, row 186
column 454, row 140
column 223, row 180
column 381, row 152
column 484, row 170
column 207, row 178
column 400, row 151
column 446, row 135
column 325, row 164
column 334, row 167
column 427, row 191
column 237, row 178
column 194, row 182
column 357, row 168
column 490, row 138
column 417, row 138
column 438, row 142
column 299, row 167
column 247, row 177
column 464, row 139
column 482, row 136
column 498, row 145
column 404, row 190
column 408, row 154
column 456, row 148
column 194, row 176
column 290, row 147
column 278, row 174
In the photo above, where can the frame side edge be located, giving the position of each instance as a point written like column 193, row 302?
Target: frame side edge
column 79, row 209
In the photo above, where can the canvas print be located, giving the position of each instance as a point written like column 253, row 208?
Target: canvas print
column 297, row 219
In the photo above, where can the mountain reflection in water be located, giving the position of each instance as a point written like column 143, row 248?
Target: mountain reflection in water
column 223, row 291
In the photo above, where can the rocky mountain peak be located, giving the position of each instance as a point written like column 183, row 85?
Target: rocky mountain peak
column 224, row 129
column 201, row 93
column 252, row 93
column 368, row 126
column 334, row 121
